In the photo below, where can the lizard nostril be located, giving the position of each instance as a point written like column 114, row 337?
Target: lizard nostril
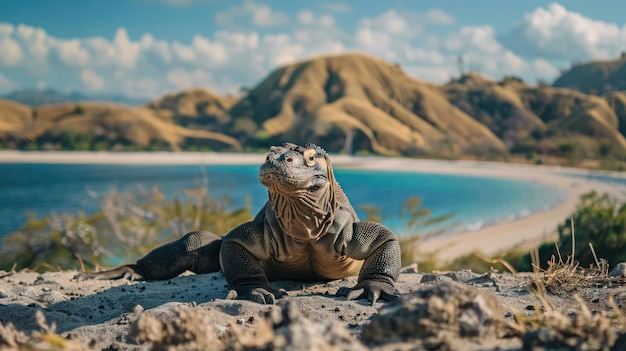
column 289, row 159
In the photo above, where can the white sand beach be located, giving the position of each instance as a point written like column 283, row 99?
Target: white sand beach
column 489, row 240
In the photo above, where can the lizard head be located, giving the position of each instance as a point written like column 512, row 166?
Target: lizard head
column 302, row 189
column 291, row 168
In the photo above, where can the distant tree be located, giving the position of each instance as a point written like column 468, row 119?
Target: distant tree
column 623, row 55
column 530, row 155
column 605, row 149
column 571, row 151
column 79, row 109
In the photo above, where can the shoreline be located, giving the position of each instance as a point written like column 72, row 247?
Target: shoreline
column 491, row 239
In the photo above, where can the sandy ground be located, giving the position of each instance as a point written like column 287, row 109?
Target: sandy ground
column 491, row 239
column 99, row 314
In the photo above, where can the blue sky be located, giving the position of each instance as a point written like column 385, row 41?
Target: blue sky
column 144, row 48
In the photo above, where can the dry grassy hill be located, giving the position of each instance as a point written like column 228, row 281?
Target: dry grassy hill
column 596, row 77
column 544, row 119
column 194, row 108
column 352, row 102
column 105, row 125
column 348, row 103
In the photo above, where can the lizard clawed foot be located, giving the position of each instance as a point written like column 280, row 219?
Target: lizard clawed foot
column 370, row 289
column 264, row 295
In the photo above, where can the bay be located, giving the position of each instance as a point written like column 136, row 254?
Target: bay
column 68, row 188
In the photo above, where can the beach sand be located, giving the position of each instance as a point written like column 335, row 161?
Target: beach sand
column 489, row 240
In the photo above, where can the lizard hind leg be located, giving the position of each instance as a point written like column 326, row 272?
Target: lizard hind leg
column 196, row 251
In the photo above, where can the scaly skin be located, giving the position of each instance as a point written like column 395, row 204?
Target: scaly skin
column 306, row 231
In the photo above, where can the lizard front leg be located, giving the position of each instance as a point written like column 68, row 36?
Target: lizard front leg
column 380, row 248
column 243, row 271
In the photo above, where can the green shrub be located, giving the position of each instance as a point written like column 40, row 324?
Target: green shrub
column 598, row 221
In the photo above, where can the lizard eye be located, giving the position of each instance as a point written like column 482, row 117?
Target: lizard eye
column 309, row 157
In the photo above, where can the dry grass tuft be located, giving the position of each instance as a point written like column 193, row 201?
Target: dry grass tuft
column 45, row 340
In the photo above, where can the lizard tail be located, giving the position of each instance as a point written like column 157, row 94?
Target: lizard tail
column 196, row 251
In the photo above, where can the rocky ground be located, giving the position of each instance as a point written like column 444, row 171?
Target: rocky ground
column 453, row 310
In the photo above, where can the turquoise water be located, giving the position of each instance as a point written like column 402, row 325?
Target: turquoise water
column 474, row 201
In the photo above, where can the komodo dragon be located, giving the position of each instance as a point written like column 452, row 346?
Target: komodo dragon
column 307, row 231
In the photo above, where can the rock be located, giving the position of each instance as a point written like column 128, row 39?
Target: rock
column 435, row 314
column 282, row 329
column 51, row 297
column 462, row 275
column 190, row 330
column 293, row 331
column 619, row 271
column 437, row 279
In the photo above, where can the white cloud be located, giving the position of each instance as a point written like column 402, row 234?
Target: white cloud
column 391, row 23
column 335, row 7
column 10, row 52
column 481, row 51
column 307, row 17
column 41, row 84
column 6, row 84
column 544, row 68
column 92, row 80
column 425, row 56
column 440, row 17
column 6, row 29
column 71, row 53
column 181, row 78
column 557, row 33
column 229, row 58
column 259, row 15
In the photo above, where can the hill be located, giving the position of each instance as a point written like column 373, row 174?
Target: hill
column 543, row 119
column 597, row 77
column 353, row 102
column 40, row 97
column 349, row 103
column 100, row 126
column 194, row 108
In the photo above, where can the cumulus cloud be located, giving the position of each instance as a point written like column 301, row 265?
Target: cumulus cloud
column 147, row 66
column 92, row 80
column 10, row 52
column 259, row 15
column 307, row 17
column 557, row 33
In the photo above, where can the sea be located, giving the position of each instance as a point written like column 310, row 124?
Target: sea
column 472, row 201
